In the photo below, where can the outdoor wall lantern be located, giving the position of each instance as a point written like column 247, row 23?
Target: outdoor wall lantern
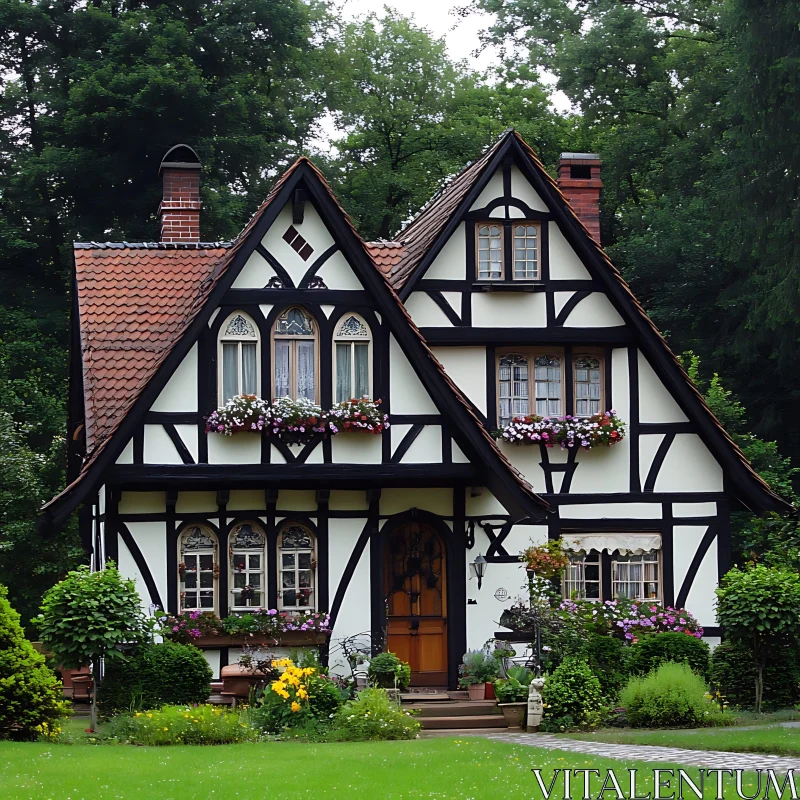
column 478, row 569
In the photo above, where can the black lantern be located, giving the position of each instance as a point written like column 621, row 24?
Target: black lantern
column 478, row 569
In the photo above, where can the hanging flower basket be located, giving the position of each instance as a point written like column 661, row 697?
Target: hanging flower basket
column 600, row 430
column 296, row 421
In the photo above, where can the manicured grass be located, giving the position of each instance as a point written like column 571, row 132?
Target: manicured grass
column 425, row 768
column 775, row 740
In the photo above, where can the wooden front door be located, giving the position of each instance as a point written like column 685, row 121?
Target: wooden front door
column 414, row 580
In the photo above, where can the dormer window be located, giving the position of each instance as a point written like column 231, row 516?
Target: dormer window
column 507, row 252
column 238, row 357
column 295, row 355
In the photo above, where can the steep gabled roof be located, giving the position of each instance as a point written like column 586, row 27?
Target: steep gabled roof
column 428, row 232
column 158, row 348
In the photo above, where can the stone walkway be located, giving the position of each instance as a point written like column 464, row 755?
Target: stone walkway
column 639, row 752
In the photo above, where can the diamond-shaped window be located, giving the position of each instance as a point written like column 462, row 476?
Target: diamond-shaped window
column 298, row 243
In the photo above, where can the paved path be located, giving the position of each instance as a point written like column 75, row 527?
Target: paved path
column 640, row 752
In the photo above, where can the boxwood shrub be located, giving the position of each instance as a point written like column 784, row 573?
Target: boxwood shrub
column 658, row 648
column 157, row 674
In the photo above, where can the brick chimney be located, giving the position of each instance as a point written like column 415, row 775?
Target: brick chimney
column 180, row 199
column 579, row 181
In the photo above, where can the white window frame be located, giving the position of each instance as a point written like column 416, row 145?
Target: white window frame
column 244, row 553
column 601, row 369
column 183, row 554
column 511, row 396
column 621, row 574
column 343, row 340
column 311, row 606
column 478, row 250
column 537, row 248
column 536, row 382
column 573, row 580
column 293, row 339
column 239, row 340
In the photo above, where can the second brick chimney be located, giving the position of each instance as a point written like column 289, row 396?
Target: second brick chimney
column 579, row 181
column 180, row 199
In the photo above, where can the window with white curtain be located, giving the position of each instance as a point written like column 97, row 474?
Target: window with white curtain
column 636, row 576
column 198, row 570
column 513, row 394
column 296, row 567
column 295, row 355
column 547, row 377
column 588, row 386
column 581, row 579
column 238, row 357
column 246, row 543
column 352, row 345
column 490, row 251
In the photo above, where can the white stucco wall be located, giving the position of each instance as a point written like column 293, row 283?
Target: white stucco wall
column 564, row 263
column 594, row 311
column 180, row 392
column 511, row 310
column 689, row 467
column 521, row 189
column 451, row 262
column 467, row 368
column 656, row 404
column 408, row 395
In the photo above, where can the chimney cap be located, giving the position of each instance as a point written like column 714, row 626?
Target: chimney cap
column 580, row 156
column 180, row 156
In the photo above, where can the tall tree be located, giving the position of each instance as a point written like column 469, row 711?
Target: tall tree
column 409, row 117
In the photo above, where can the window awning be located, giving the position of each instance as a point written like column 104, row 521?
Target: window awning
column 624, row 542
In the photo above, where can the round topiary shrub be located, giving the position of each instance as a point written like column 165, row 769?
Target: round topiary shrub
column 571, row 696
column 387, row 671
column 733, row 674
column 671, row 696
column 658, row 648
column 157, row 674
column 30, row 695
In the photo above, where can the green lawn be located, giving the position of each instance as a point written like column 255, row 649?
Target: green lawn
column 774, row 739
column 431, row 768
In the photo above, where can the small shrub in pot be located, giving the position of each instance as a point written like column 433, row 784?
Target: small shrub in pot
column 387, row 671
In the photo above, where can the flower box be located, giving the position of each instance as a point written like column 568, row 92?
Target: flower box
column 599, row 430
column 285, row 639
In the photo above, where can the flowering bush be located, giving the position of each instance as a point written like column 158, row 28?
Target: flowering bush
column 357, row 415
column 566, row 432
column 191, row 625
column 184, row 725
column 546, row 560
column 629, row 619
column 372, row 715
column 296, row 420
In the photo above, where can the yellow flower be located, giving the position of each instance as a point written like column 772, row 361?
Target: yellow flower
column 149, row 715
column 295, row 706
column 302, row 694
column 294, row 680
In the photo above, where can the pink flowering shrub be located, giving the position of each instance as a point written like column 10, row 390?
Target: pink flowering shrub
column 188, row 626
column 600, row 430
column 296, row 420
column 629, row 620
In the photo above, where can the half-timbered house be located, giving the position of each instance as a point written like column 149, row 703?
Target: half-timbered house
column 495, row 302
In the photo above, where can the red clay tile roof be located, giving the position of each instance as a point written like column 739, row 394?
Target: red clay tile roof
column 134, row 302
column 385, row 255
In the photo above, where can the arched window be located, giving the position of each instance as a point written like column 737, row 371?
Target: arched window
column 296, row 567
column 198, row 570
column 238, row 357
column 352, row 343
column 246, row 556
column 547, row 376
column 513, row 395
column 588, row 386
column 295, row 355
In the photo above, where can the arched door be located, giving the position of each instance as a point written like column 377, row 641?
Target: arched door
column 414, row 580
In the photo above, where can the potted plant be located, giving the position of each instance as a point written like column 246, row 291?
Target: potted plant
column 477, row 669
column 387, row 671
column 512, row 695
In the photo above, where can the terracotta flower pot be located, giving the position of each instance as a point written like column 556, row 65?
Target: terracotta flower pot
column 477, row 691
column 490, row 695
column 513, row 713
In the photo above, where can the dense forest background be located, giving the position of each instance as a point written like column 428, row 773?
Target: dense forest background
column 693, row 105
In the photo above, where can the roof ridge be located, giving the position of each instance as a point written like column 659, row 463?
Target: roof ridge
column 151, row 245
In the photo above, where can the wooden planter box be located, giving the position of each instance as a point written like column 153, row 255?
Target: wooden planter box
column 286, row 639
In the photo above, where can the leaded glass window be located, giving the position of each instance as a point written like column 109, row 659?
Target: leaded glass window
column 247, row 541
column 587, row 386
column 295, row 342
column 547, row 376
column 581, row 579
column 198, row 569
column 352, row 346
column 239, row 355
column 513, row 395
column 490, row 252
column 296, row 567
column 526, row 252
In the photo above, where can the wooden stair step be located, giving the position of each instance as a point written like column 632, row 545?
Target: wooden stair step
column 455, row 708
column 463, row 722
column 420, row 697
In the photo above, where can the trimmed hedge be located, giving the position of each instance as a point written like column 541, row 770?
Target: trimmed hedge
column 157, row 674
column 655, row 649
column 734, row 674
